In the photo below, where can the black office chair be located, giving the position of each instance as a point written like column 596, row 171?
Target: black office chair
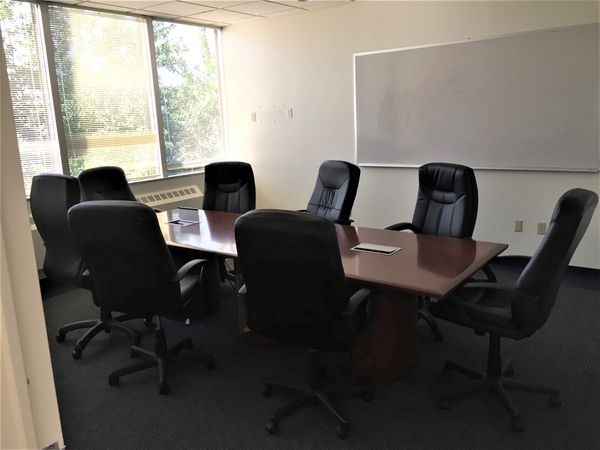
column 132, row 271
column 518, row 311
column 446, row 206
column 295, row 292
column 335, row 191
column 51, row 197
column 229, row 186
column 104, row 183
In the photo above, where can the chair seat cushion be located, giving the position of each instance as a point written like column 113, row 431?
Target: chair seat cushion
column 482, row 309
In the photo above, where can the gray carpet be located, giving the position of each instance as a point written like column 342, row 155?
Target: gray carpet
column 224, row 408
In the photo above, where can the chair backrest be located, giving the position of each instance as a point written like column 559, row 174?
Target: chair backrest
column 447, row 200
column 543, row 274
column 51, row 197
column 130, row 266
column 335, row 191
column 104, row 183
column 293, row 273
column 229, row 186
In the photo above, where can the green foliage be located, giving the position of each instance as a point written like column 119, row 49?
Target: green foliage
column 191, row 105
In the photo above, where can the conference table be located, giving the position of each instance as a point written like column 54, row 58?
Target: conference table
column 425, row 265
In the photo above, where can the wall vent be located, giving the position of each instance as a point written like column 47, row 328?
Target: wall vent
column 170, row 195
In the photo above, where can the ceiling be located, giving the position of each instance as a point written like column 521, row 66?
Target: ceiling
column 217, row 13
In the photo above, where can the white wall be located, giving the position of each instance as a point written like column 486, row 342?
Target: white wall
column 29, row 408
column 305, row 62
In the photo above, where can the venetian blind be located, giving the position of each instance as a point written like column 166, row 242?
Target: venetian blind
column 103, row 70
column 30, row 90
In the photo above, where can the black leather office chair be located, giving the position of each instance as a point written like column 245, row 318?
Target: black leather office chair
column 446, row 206
column 132, row 271
column 295, row 292
column 335, row 191
column 104, row 183
column 229, row 186
column 518, row 311
column 51, row 197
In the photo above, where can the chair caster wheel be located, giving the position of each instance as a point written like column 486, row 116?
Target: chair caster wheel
column 444, row 404
column 516, row 425
column 272, row 427
column 113, row 381
column 107, row 330
column 164, row 389
column 343, row 431
column 60, row 337
column 189, row 344
column 267, row 390
column 76, row 353
column 367, row 396
column 554, row 400
column 210, row 363
column 149, row 323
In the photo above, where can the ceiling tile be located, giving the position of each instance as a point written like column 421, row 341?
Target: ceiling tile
column 286, row 12
column 313, row 4
column 144, row 12
column 259, row 8
column 178, row 8
column 103, row 6
column 133, row 4
column 222, row 16
column 220, row 4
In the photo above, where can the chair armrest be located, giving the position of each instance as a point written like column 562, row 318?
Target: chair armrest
column 403, row 226
column 357, row 299
column 187, row 267
column 243, row 290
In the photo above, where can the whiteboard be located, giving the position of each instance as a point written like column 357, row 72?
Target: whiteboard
column 522, row 101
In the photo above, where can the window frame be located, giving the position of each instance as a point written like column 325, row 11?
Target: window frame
column 55, row 96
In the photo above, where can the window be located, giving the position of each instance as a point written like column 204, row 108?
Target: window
column 105, row 86
column 186, row 58
column 30, row 89
column 106, row 98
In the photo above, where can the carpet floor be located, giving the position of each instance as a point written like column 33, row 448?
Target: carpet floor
column 223, row 408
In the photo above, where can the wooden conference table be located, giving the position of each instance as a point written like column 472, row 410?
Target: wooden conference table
column 426, row 265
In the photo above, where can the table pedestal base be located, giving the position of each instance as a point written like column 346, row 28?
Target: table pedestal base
column 387, row 349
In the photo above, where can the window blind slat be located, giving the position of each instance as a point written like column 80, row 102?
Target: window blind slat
column 104, row 78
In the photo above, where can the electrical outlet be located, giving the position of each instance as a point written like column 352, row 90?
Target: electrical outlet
column 541, row 228
column 518, row 226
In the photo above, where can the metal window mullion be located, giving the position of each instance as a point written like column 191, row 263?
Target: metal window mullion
column 54, row 92
column 156, row 93
column 222, row 93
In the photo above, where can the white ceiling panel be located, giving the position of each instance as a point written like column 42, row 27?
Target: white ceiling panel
column 223, row 16
column 220, row 4
column 133, row 4
column 178, row 8
column 214, row 12
column 259, row 8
